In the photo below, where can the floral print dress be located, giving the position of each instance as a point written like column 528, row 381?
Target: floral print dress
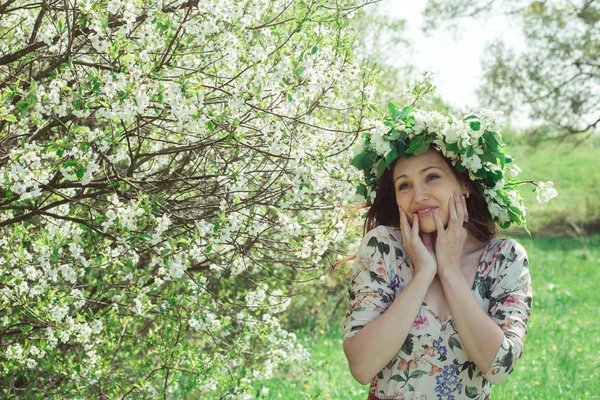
column 432, row 363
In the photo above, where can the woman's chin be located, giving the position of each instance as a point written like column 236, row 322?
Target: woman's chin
column 426, row 227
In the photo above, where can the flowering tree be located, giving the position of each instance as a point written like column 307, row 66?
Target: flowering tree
column 557, row 79
column 165, row 169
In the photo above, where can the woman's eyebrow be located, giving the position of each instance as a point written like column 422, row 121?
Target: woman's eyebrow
column 420, row 172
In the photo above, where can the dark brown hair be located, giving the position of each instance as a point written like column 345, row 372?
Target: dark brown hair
column 384, row 210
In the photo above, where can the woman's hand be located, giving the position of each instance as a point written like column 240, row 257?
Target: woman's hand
column 421, row 251
column 450, row 242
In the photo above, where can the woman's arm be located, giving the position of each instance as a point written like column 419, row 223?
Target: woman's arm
column 380, row 340
column 382, row 327
column 494, row 340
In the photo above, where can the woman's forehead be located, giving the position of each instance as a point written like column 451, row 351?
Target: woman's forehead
column 413, row 165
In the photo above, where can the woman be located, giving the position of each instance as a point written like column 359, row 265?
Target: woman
column 438, row 304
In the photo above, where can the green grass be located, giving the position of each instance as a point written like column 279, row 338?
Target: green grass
column 561, row 358
column 576, row 177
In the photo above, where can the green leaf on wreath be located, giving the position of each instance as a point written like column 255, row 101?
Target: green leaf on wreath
column 364, row 160
column 475, row 125
column 380, row 168
column 391, row 156
column 415, row 143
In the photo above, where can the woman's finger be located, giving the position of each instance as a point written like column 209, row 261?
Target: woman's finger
column 460, row 215
column 452, row 210
column 404, row 226
column 438, row 222
column 415, row 228
column 465, row 209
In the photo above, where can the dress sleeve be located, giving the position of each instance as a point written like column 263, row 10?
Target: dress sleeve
column 510, row 308
column 370, row 292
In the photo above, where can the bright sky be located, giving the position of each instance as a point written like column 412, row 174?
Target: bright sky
column 456, row 63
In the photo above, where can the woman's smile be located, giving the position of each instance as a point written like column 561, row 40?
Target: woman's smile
column 423, row 212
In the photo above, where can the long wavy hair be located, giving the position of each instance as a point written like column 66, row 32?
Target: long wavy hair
column 384, row 210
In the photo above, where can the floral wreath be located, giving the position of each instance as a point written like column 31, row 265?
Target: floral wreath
column 472, row 144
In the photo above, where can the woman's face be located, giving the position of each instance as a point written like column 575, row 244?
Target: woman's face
column 423, row 183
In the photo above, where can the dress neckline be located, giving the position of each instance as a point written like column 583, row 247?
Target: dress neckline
column 477, row 272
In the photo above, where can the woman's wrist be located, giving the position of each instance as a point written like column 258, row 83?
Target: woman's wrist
column 424, row 277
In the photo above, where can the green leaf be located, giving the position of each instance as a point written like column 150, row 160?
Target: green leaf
column 23, row 105
column 77, row 105
column 298, row 71
column 208, row 248
column 415, row 143
column 314, row 50
column 288, row 97
column 453, row 342
column 418, row 373
column 362, row 190
column 419, row 145
column 80, row 173
column 471, row 392
column 127, row 57
column 397, row 378
column 404, row 113
column 364, row 160
column 452, row 147
column 10, row 118
column 407, row 347
column 491, row 141
column 391, row 156
column 393, row 110
column 9, row 194
column 380, row 168
column 475, row 125
column 422, row 149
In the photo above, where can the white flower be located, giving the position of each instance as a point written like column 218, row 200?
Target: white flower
column 513, row 170
column 358, row 147
column 14, row 352
column 545, row 191
column 503, row 216
column 495, row 209
column 451, row 134
column 264, row 391
column 500, row 184
column 515, row 199
column 97, row 326
column 490, row 193
column 381, row 145
column 472, row 163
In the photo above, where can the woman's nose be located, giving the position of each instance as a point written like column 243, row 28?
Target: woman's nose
column 421, row 193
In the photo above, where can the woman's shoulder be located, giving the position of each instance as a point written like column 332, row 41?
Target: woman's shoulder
column 385, row 233
column 507, row 246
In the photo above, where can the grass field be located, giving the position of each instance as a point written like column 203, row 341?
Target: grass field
column 562, row 351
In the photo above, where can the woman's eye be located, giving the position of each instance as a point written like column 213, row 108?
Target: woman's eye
column 403, row 186
column 432, row 176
